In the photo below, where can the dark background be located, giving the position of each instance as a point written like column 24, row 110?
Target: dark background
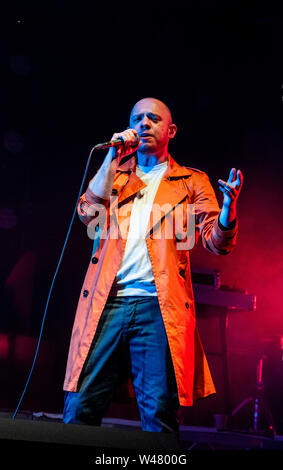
column 70, row 73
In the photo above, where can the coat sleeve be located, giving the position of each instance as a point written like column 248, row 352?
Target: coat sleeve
column 91, row 207
column 214, row 237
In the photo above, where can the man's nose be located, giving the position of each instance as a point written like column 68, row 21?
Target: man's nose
column 145, row 123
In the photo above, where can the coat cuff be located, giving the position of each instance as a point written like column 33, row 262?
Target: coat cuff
column 92, row 198
column 222, row 233
column 233, row 225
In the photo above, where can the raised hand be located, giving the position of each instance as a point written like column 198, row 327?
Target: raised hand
column 232, row 187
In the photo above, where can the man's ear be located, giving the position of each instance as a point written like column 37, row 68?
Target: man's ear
column 172, row 131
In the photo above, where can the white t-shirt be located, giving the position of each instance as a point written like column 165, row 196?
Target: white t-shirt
column 135, row 275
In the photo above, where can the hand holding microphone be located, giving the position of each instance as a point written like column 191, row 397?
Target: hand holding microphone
column 121, row 144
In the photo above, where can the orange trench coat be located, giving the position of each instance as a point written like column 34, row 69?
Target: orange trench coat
column 171, row 269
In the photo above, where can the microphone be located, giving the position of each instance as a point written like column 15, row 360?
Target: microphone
column 116, row 143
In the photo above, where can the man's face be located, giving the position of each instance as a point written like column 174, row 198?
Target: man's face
column 152, row 120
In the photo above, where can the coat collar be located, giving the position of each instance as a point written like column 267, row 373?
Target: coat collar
column 174, row 170
column 131, row 183
column 170, row 192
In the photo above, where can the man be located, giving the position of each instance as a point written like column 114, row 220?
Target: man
column 136, row 315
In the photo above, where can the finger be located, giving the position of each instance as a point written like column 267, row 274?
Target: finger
column 228, row 188
column 130, row 137
column 133, row 131
column 115, row 136
column 119, row 135
column 240, row 179
column 226, row 184
column 226, row 192
column 134, row 136
column 231, row 175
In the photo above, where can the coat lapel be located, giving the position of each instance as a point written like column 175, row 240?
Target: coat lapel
column 170, row 192
column 128, row 183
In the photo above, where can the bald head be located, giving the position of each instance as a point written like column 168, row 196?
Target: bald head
column 152, row 120
column 153, row 105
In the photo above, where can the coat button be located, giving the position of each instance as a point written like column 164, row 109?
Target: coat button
column 187, row 305
column 94, row 260
column 182, row 272
column 85, row 293
column 114, row 192
column 179, row 237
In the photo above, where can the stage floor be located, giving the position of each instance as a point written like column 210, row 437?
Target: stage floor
column 191, row 437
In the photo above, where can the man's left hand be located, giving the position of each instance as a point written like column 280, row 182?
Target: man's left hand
column 232, row 187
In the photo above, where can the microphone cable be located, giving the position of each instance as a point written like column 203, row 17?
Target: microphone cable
column 53, row 281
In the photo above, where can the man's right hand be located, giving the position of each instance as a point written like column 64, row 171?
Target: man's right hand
column 102, row 183
column 131, row 144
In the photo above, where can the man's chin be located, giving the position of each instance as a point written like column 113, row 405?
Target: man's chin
column 147, row 147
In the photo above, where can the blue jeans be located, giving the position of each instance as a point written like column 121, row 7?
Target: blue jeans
column 130, row 341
